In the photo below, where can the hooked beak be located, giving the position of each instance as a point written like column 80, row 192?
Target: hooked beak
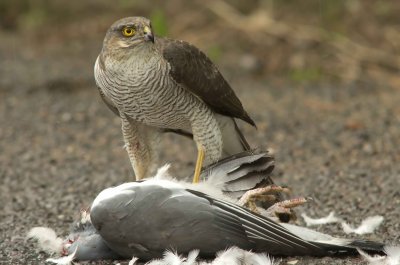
column 148, row 35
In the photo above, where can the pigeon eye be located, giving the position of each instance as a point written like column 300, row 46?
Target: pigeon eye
column 128, row 32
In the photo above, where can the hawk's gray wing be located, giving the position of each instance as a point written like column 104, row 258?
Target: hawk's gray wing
column 192, row 69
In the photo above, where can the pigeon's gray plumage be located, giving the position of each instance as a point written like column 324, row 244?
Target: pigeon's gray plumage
column 143, row 219
column 159, row 84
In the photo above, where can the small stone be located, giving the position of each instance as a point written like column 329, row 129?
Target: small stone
column 66, row 116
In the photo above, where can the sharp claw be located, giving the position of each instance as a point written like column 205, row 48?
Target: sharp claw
column 291, row 203
column 260, row 194
column 285, row 208
column 277, row 210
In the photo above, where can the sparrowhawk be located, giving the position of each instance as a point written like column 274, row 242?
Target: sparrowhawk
column 159, row 84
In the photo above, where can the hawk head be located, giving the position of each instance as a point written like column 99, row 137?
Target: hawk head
column 129, row 32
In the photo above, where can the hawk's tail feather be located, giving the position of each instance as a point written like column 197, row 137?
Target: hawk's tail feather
column 233, row 141
column 243, row 141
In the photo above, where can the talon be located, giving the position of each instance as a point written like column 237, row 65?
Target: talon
column 253, row 207
column 260, row 194
column 291, row 203
column 265, row 198
column 282, row 210
column 279, row 210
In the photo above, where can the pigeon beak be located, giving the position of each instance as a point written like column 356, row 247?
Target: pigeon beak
column 148, row 35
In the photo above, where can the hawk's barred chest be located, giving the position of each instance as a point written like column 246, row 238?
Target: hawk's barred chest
column 141, row 88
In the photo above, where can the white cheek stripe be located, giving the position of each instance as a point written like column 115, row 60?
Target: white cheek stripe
column 122, row 44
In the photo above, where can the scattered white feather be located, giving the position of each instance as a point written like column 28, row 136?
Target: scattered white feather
column 375, row 260
column 392, row 258
column 331, row 218
column 169, row 258
column 67, row 260
column 162, row 172
column 258, row 259
column 367, row 226
column 85, row 217
column 191, row 258
column 47, row 239
column 237, row 256
column 393, row 254
column 231, row 256
column 172, row 258
column 133, row 261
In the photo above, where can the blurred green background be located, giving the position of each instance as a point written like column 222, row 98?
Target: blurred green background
column 300, row 42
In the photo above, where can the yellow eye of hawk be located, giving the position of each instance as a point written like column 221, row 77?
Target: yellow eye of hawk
column 128, row 32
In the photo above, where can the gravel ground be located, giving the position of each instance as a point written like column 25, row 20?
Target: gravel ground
column 60, row 145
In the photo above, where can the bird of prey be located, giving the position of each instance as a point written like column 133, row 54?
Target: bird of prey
column 145, row 218
column 158, row 84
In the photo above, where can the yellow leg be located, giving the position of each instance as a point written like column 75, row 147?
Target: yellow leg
column 199, row 164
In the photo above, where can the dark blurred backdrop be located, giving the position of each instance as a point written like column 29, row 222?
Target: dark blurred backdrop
column 300, row 42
